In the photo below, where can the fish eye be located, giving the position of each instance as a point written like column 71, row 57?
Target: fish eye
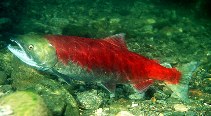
column 30, row 47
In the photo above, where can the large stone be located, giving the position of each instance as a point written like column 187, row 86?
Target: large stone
column 23, row 103
column 89, row 99
column 57, row 98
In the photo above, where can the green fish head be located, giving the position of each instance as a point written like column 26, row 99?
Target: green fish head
column 34, row 50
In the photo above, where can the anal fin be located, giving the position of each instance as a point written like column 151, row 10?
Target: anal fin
column 111, row 87
column 143, row 85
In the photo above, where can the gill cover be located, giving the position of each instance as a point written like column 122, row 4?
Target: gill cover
column 34, row 50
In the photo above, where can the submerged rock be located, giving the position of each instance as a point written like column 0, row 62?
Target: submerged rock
column 124, row 113
column 4, row 20
column 5, row 89
column 5, row 62
column 89, row 99
column 23, row 103
column 56, row 97
column 5, row 24
column 3, row 77
column 5, row 110
column 180, row 108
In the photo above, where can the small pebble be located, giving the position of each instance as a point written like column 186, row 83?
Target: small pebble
column 180, row 108
column 136, row 96
column 99, row 112
column 150, row 21
column 5, row 110
column 134, row 104
column 124, row 113
column 89, row 99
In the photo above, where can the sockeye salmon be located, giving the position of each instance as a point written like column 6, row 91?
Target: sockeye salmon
column 106, row 61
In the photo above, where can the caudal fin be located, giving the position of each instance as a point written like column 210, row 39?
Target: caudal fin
column 180, row 90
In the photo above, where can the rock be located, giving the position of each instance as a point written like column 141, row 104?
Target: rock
column 5, row 89
column 148, row 29
column 5, row 110
column 150, row 21
column 99, row 112
column 124, row 113
column 56, row 97
column 180, row 108
column 5, row 23
column 114, row 21
column 89, row 99
column 5, row 62
column 58, row 22
column 23, row 103
column 136, row 96
column 163, row 94
column 3, row 77
column 4, row 20
column 2, row 43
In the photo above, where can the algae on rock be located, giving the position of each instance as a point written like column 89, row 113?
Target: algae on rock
column 23, row 103
column 55, row 96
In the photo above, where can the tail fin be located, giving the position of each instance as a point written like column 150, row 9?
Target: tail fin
column 180, row 90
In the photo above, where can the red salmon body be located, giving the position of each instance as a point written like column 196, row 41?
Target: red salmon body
column 112, row 56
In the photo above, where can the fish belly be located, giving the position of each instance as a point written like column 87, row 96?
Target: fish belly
column 77, row 72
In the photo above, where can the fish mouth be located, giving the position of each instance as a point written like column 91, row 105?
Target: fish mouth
column 18, row 50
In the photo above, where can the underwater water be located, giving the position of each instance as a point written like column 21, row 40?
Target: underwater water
column 176, row 33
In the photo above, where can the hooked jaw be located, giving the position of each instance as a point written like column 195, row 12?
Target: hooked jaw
column 17, row 49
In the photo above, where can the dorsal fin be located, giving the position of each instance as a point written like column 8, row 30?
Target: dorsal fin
column 117, row 40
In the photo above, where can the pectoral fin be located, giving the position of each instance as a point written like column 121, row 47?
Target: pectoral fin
column 111, row 87
column 143, row 85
